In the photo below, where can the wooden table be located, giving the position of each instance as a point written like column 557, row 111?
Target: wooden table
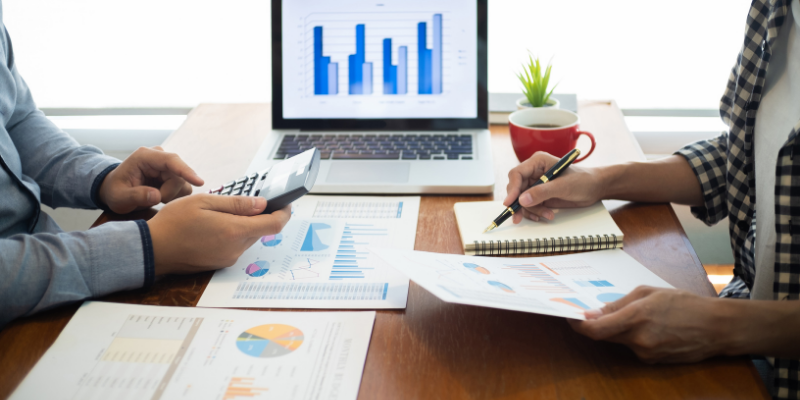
column 435, row 350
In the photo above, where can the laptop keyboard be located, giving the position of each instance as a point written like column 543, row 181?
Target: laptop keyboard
column 379, row 146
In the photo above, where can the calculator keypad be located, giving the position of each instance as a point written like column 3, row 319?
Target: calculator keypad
column 244, row 186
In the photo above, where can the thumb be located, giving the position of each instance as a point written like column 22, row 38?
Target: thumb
column 236, row 205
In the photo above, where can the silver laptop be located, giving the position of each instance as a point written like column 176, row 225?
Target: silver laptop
column 393, row 94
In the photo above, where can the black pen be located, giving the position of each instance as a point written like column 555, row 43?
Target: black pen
column 551, row 174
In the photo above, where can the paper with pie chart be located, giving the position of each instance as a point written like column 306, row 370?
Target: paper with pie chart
column 564, row 286
column 125, row 351
column 320, row 259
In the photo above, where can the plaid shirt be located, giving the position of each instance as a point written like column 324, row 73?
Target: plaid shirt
column 725, row 168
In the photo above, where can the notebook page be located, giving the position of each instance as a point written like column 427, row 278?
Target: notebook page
column 474, row 217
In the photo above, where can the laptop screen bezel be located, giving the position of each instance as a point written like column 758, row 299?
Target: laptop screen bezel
column 279, row 122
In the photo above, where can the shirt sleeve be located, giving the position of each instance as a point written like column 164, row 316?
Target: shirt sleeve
column 64, row 170
column 45, row 269
column 707, row 158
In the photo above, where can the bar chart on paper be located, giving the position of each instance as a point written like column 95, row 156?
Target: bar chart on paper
column 323, row 258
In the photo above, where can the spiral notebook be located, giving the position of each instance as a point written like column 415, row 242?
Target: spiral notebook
column 573, row 229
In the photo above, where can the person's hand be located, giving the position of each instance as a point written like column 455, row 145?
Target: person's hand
column 575, row 187
column 147, row 177
column 661, row 325
column 206, row 232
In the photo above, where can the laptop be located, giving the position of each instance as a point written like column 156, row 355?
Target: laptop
column 392, row 93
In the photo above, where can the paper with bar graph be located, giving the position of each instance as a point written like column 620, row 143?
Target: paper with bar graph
column 124, row 351
column 563, row 286
column 320, row 259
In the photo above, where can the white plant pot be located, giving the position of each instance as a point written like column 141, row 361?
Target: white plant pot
column 522, row 103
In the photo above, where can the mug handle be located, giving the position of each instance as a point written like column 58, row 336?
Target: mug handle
column 591, row 137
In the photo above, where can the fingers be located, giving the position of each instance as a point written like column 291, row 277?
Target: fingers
column 130, row 199
column 267, row 224
column 521, row 176
column 609, row 325
column 168, row 162
column 513, row 187
column 614, row 318
column 172, row 189
column 543, row 192
column 236, row 205
column 185, row 190
column 539, row 212
column 638, row 293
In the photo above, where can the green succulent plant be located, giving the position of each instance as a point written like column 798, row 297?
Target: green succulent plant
column 534, row 83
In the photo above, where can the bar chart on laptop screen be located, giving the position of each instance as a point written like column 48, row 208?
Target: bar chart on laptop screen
column 402, row 59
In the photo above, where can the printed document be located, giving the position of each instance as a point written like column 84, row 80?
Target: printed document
column 320, row 259
column 563, row 286
column 124, row 351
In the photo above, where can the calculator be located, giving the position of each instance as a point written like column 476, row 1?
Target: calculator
column 281, row 184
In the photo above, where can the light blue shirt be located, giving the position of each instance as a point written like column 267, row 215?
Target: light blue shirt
column 40, row 265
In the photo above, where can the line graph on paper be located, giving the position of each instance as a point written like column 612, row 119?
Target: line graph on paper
column 304, row 270
column 539, row 279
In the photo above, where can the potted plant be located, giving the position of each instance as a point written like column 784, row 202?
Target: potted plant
column 534, row 86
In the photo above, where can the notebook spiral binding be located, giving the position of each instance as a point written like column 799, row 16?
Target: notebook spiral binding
column 546, row 246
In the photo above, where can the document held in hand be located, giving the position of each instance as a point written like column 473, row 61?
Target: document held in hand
column 563, row 286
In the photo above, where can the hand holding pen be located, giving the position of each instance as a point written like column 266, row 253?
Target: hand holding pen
column 551, row 174
column 576, row 186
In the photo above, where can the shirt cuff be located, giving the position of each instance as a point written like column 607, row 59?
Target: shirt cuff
column 708, row 162
column 98, row 181
column 147, row 252
column 121, row 257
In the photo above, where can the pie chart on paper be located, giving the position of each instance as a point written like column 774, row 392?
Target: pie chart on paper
column 271, row 340
column 272, row 240
column 258, row 268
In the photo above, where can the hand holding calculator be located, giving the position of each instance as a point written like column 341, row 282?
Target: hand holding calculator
column 281, row 184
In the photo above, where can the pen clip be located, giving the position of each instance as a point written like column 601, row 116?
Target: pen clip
column 575, row 154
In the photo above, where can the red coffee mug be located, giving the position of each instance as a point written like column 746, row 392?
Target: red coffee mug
column 545, row 129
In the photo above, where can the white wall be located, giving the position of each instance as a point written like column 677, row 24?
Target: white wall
column 160, row 53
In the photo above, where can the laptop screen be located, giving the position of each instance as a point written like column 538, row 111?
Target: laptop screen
column 392, row 59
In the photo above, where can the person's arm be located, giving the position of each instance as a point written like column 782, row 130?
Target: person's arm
column 46, row 269
column 695, row 176
column 191, row 234
column 64, row 171
column 667, row 325
column 668, row 180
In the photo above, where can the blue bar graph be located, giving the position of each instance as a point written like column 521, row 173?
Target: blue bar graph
column 395, row 77
column 351, row 250
column 389, row 70
column 394, row 80
column 358, row 67
column 430, row 60
column 325, row 72
column 333, row 78
column 594, row 283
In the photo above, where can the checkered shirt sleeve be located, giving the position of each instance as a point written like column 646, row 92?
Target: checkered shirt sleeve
column 707, row 158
